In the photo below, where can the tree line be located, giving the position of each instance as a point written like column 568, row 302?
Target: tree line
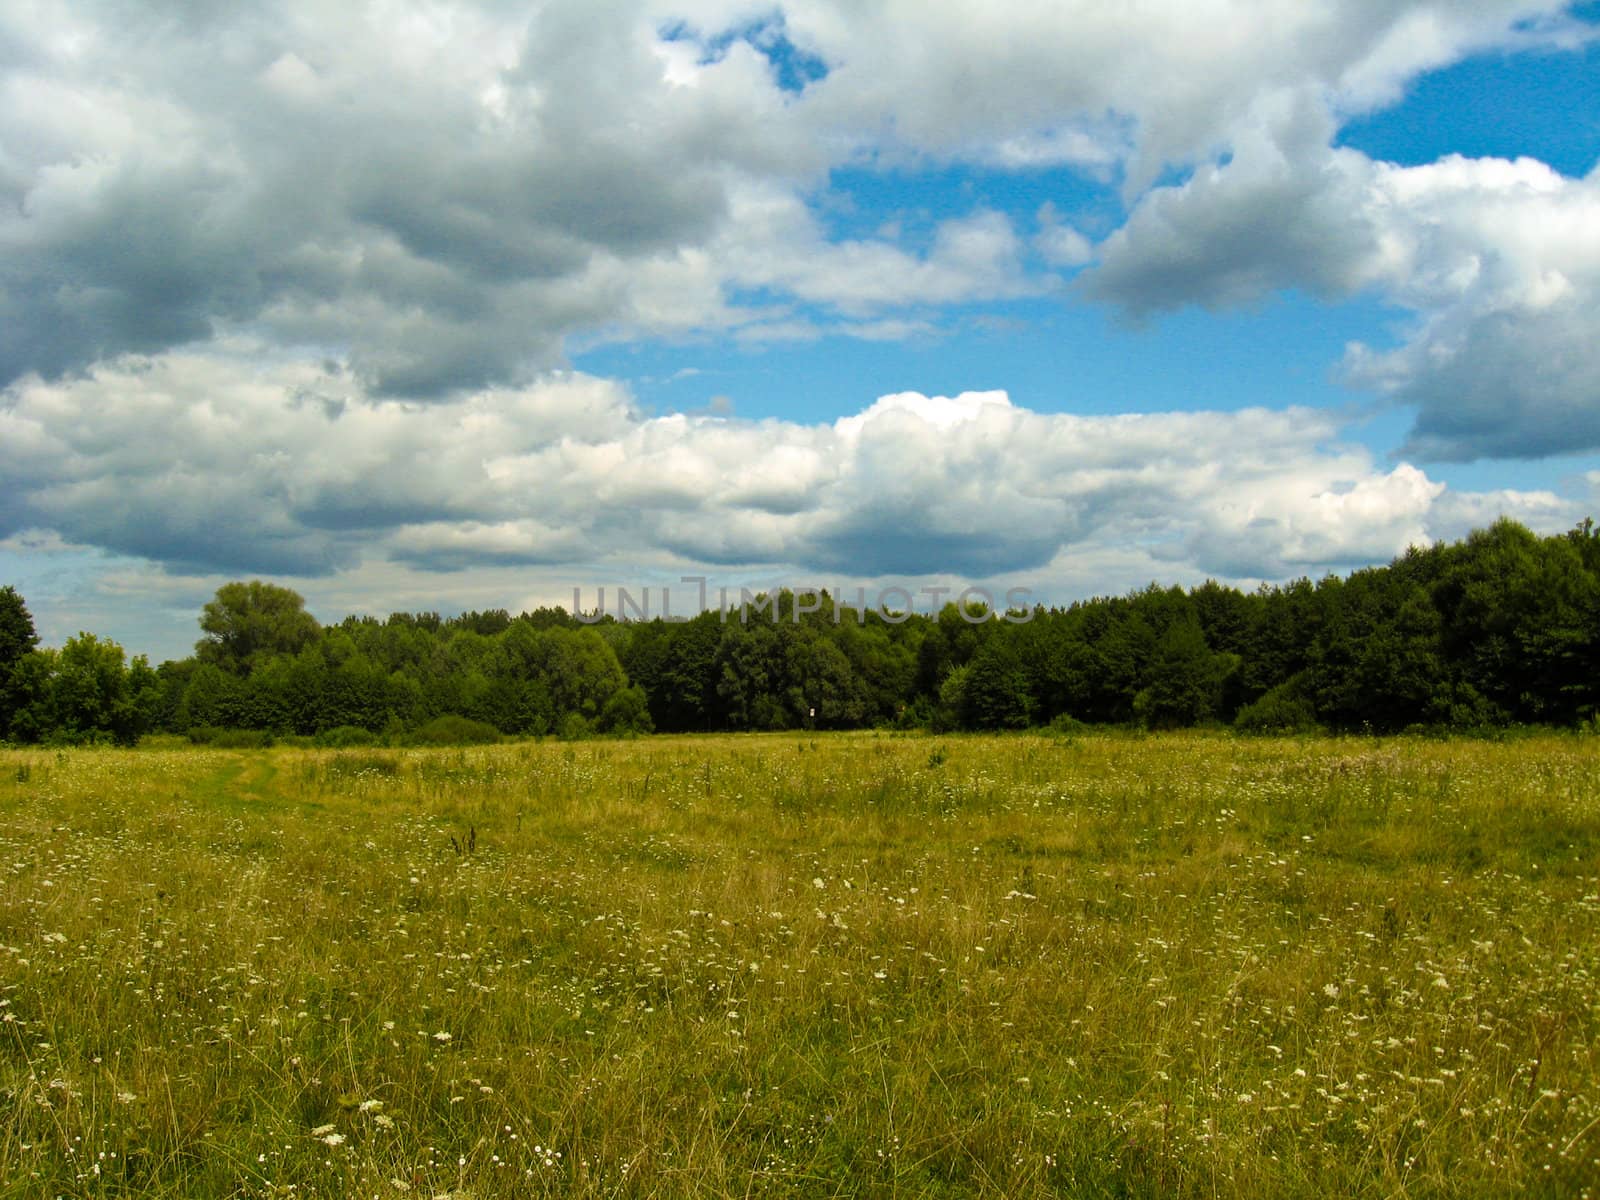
column 1501, row 628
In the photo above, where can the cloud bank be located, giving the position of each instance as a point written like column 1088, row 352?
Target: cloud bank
column 443, row 197
column 291, row 288
column 216, row 463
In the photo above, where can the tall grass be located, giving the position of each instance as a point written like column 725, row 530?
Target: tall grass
column 1101, row 966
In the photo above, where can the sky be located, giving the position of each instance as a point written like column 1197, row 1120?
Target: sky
column 436, row 306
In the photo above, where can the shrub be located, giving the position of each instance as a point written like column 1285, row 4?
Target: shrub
column 342, row 736
column 231, row 739
column 454, row 731
column 627, row 713
column 1280, row 710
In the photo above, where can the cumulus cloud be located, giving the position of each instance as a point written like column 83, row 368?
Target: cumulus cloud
column 443, row 196
column 1134, row 86
column 286, row 288
column 1499, row 262
column 205, row 462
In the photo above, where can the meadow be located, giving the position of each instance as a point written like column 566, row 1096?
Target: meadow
column 1108, row 965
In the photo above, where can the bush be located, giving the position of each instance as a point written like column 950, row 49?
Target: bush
column 1067, row 725
column 342, row 736
column 627, row 713
column 231, row 739
column 916, row 715
column 454, row 731
column 1280, row 710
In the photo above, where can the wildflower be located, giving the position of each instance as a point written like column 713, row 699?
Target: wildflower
column 441, row 1036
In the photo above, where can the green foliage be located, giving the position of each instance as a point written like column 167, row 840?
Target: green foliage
column 995, row 693
column 1066, row 725
column 1500, row 629
column 452, row 730
column 231, row 739
column 1284, row 709
column 248, row 622
column 17, row 634
column 84, row 692
column 17, row 640
column 627, row 712
column 1186, row 678
column 344, row 736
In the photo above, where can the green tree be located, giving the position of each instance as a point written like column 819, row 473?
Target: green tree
column 626, row 712
column 580, row 670
column 248, row 622
column 821, row 681
column 17, row 639
column 996, row 694
column 88, row 690
column 1185, row 678
column 211, row 698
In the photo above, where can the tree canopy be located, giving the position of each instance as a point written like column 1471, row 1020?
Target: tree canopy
column 248, row 623
column 1500, row 628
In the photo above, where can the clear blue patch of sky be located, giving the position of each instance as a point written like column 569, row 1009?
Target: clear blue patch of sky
column 1564, row 476
column 1048, row 355
column 1542, row 104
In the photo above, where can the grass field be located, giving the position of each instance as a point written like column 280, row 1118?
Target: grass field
column 843, row 965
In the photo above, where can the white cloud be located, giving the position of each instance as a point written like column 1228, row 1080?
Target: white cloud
column 297, row 469
column 1144, row 84
column 445, row 195
column 1499, row 261
column 1058, row 243
column 237, row 243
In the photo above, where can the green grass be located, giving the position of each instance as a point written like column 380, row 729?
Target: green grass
column 844, row 965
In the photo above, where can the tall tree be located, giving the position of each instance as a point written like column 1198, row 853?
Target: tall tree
column 249, row 622
column 17, row 638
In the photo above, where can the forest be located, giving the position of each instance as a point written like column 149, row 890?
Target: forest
column 1500, row 629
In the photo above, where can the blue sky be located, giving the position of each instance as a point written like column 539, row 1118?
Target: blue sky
column 469, row 306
